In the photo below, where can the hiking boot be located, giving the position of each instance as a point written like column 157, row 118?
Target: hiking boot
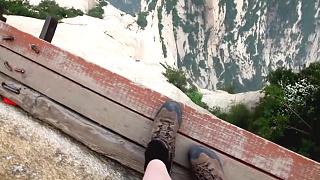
column 163, row 134
column 205, row 164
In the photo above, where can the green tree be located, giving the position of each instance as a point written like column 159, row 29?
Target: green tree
column 41, row 11
column 230, row 89
column 98, row 10
column 176, row 77
column 289, row 114
column 142, row 19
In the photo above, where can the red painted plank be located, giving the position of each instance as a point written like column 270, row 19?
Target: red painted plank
column 216, row 133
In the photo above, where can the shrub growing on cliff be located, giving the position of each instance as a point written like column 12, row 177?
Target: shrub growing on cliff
column 97, row 11
column 142, row 19
column 170, row 4
column 152, row 5
column 230, row 89
column 177, row 77
column 41, row 11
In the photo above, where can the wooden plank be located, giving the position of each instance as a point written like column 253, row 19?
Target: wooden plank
column 1, row 14
column 107, row 113
column 216, row 133
column 80, row 128
column 49, row 28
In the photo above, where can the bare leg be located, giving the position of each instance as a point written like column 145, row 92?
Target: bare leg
column 160, row 150
column 156, row 170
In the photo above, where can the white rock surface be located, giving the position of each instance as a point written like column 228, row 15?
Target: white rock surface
column 235, row 39
column 117, row 44
column 225, row 100
column 83, row 5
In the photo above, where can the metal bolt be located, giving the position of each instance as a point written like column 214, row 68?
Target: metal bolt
column 8, row 38
column 34, row 47
column 22, row 71
column 7, row 65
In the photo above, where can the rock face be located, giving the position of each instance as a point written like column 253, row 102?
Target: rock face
column 236, row 42
column 113, row 43
column 32, row 150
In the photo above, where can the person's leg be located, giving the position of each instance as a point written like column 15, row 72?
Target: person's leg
column 205, row 164
column 163, row 135
column 156, row 170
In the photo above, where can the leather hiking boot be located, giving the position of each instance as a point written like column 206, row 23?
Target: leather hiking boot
column 163, row 134
column 205, row 164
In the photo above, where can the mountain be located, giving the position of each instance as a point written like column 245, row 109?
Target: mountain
column 118, row 44
column 235, row 42
column 131, row 7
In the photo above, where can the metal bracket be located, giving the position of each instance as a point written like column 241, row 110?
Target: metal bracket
column 49, row 28
column 1, row 14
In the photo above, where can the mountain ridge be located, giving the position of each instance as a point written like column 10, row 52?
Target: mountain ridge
column 221, row 43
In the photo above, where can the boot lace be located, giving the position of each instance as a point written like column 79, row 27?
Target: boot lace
column 166, row 128
column 204, row 172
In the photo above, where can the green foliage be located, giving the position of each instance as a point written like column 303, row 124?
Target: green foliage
column 142, row 19
column 195, row 70
column 188, row 59
column 238, row 115
column 160, row 26
column 176, row 20
column 97, row 11
column 251, row 16
column 217, row 112
column 230, row 89
column 231, row 13
column 152, row 5
column 178, row 78
column 196, row 97
column 288, row 114
column 170, row 5
column 307, row 24
column 198, row 2
column 41, row 11
column 191, row 40
column 202, row 64
column 251, row 47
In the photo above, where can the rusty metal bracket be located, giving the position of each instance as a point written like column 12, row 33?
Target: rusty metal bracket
column 1, row 14
column 49, row 28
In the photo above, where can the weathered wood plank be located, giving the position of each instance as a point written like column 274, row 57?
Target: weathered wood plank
column 80, row 128
column 49, row 28
column 1, row 14
column 107, row 113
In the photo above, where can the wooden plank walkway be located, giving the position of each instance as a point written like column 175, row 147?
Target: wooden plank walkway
column 127, row 109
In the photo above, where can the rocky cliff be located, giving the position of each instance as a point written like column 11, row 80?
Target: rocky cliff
column 235, row 42
column 117, row 43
